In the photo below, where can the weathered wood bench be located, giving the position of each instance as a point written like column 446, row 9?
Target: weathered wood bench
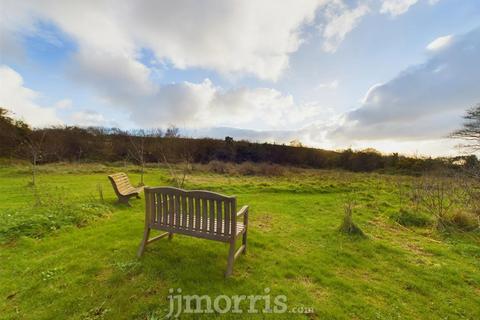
column 123, row 188
column 201, row 214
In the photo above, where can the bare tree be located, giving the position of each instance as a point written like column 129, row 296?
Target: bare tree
column 33, row 145
column 172, row 132
column 178, row 176
column 471, row 130
column 137, row 150
column 438, row 196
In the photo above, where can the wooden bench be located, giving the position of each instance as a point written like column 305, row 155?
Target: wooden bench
column 123, row 188
column 201, row 214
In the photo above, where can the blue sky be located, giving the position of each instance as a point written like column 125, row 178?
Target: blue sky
column 396, row 75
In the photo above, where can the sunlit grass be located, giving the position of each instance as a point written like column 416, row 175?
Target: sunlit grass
column 89, row 269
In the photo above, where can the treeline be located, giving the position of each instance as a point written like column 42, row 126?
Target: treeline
column 67, row 143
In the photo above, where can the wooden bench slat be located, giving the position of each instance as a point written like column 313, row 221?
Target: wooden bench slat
column 226, row 225
column 197, row 213
column 190, row 212
column 219, row 221
column 211, row 207
column 158, row 208
column 204, row 215
column 177, row 209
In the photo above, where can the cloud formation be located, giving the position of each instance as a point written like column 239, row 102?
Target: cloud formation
column 21, row 100
column 241, row 37
column 202, row 105
column 88, row 118
column 440, row 43
column 249, row 37
column 424, row 101
column 340, row 20
column 396, row 7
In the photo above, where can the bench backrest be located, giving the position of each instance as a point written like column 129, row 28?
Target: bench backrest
column 120, row 182
column 193, row 212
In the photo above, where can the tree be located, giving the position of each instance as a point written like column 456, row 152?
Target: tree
column 172, row 132
column 33, row 145
column 12, row 132
column 137, row 150
column 471, row 130
column 296, row 143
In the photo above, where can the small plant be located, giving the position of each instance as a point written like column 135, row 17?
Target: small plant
column 100, row 192
column 127, row 267
column 50, row 274
column 95, row 313
column 348, row 226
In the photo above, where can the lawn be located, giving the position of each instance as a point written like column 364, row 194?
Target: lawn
column 64, row 253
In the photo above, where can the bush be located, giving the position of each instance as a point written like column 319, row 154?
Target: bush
column 410, row 218
column 271, row 170
column 37, row 221
column 248, row 169
column 218, row 167
column 464, row 220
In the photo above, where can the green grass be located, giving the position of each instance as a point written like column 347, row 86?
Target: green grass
column 75, row 257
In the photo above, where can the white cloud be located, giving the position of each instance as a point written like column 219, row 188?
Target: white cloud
column 229, row 36
column 64, row 104
column 340, row 20
column 440, row 43
column 116, row 77
column 423, row 102
column 399, row 7
column 19, row 99
column 88, row 118
column 328, row 85
column 201, row 105
column 396, row 7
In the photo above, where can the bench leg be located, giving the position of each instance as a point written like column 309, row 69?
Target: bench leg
column 124, row 200
column 144, row 242
column 170, row 236
column 244, row 242
column 231, row 259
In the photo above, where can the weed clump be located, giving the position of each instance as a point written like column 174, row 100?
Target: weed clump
column 348, row 226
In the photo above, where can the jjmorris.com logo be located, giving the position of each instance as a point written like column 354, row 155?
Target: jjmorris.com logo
column 203, row 304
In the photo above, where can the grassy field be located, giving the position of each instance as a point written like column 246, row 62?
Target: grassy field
column 66, row 254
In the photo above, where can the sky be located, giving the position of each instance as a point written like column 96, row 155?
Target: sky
column 394, row 75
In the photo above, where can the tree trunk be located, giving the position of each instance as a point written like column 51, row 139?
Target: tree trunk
column 34, row 168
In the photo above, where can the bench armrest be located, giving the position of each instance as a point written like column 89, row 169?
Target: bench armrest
column 242, row 211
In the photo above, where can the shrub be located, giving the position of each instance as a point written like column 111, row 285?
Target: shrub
column 409, row 218
column 464, row 220
column 218, row 167
column 271, row 170
column 37, row 221
column 247, row 168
